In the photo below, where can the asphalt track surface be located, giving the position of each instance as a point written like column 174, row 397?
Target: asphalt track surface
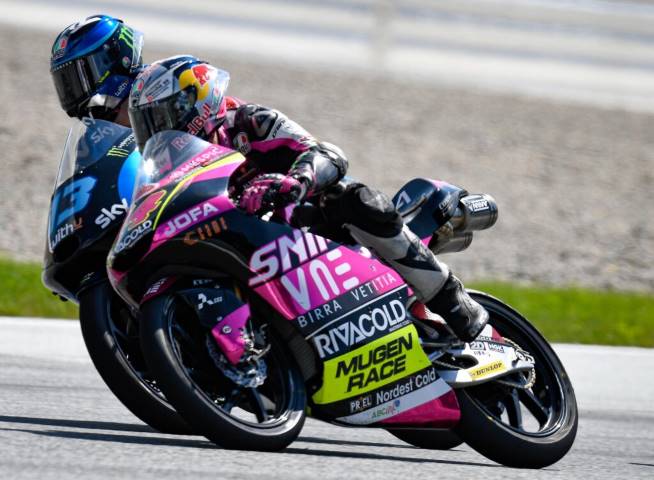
column 58, row 420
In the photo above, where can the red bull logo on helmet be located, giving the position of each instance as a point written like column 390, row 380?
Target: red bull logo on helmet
column 198, row 77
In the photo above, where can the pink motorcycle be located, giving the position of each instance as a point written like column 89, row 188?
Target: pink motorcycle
column 250, row 324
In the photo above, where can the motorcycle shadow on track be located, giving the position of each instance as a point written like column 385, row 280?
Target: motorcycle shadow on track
column 176, row 441
column 87, row 424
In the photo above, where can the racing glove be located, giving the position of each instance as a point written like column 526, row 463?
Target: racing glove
column 271, row 191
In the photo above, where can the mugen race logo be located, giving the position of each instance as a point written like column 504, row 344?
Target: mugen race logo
column 374, row 365
column 385, row 361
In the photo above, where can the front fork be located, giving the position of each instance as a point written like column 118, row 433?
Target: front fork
column 234, row 346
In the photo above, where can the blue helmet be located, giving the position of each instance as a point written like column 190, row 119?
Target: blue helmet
column 93, row 65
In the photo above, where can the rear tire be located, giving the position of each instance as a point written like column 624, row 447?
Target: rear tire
column 173, row 344
column 429, row 439
column 492, row 419
column 114, row 348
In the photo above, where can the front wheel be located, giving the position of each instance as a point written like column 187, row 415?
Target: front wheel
column 111, row 337
column 182, row 354
column 521, row 421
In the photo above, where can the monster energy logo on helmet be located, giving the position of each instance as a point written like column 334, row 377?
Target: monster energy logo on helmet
column 126, row 35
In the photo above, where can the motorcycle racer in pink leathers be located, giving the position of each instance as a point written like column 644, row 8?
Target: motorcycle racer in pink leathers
column 284, row 165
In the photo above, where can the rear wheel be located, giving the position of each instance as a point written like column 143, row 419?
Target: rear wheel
column 429, row 439
column 520, row 421
column 111, row 336
column 182, row 354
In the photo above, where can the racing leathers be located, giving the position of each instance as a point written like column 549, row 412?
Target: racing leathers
column 285, row 162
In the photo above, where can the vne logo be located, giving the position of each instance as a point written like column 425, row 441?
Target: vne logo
column 310, row 281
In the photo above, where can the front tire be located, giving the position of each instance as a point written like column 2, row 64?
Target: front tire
column 111, row 338
column 520, row 427
column 174, row 344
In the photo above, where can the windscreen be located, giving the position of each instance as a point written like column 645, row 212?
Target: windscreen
column 88, row 141
column 170, row 155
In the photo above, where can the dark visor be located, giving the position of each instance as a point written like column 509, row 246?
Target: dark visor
column 167, row 114
column 75, row 81
column 71, row 84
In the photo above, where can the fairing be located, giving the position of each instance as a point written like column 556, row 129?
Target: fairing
column 92, row 193
column 345, row 306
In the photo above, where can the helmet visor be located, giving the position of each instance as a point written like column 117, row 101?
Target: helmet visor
column 71, row 83
column 77, row 80
column 170, row 113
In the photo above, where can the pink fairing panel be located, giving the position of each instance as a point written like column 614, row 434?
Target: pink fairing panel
column 441, row 412
column 158, row 287
column 219, row 172
column 228, row 333
column 324, row 278
column 208, row 155
column 115, row 276
column 421, row 399
column 223, row 137
column 193, row 216
column 144, row 209
column 495, row 335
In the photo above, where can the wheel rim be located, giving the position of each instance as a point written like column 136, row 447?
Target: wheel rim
column 537, row 411
column 264, row 407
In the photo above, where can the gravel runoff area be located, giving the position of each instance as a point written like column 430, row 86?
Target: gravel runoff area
column 574, row 184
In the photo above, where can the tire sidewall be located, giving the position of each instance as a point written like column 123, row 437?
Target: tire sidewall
column 501, row 443
column 195, row 406
column 115, row 370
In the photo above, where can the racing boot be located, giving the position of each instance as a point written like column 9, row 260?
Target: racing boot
column 432, row 282
column 463, row 315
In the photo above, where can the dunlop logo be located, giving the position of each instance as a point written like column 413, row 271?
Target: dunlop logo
column 489, row 369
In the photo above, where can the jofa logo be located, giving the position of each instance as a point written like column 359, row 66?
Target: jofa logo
column 190, row 217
